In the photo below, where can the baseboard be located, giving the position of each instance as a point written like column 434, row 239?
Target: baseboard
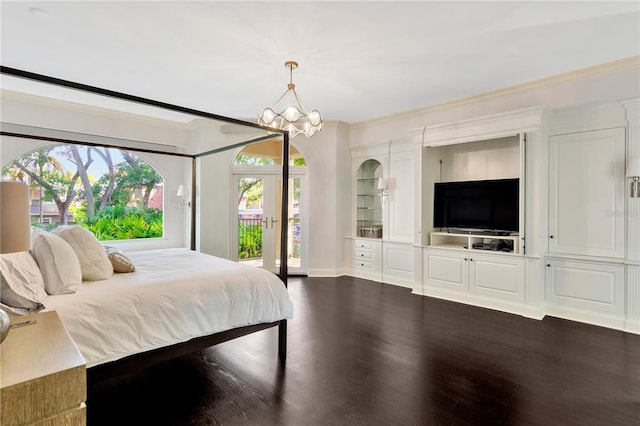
column 398, row 282
column 483, row 302
column 632, row 325
column 326, row 273
column 616, row 322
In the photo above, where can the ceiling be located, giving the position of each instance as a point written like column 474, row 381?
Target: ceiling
column 358, row 60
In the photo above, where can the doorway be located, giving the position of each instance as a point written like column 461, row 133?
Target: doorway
column 257, row 185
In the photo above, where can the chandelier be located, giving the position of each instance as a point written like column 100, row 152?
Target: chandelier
column 289, row 114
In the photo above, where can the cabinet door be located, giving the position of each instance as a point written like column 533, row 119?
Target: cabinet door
column 586, row 193
column 401, row 196
column 497, row 276
column 398, row 263
column 447, row 269
column 594, row 287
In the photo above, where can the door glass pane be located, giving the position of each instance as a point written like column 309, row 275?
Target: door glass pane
column 250, row 220
column 295, row 230
column 259, row 227
column 294, row 242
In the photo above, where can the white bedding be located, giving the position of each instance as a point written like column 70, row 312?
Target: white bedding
column 174, row 295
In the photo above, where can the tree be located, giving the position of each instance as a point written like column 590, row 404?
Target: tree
column 138, row 177
column 81, row 168
column 47, row 175
column 56, row 184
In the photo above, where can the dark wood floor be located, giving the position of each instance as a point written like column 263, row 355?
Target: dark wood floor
column 372, row 354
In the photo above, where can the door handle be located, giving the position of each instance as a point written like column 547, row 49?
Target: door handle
column 273, row 221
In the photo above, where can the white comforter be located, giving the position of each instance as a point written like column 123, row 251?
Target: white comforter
column 174, row 295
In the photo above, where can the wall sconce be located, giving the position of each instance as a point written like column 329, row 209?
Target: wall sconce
column 382, row 189
column 633, row 172
column 183, row 194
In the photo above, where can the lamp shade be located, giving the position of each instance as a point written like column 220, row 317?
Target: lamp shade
column 15, row 221
column 382, row 184
column 633, row 167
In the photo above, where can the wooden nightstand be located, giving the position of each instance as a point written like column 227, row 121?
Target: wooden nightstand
column 42, row 375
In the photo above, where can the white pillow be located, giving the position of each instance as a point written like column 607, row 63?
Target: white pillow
column 94, row 263
column 57, row 261
column 21, row 284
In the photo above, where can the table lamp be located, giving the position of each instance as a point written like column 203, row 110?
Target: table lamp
column 15, row 229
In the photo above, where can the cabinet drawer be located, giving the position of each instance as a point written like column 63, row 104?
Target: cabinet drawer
column 363, row 254
column 363, row 245
column 362, row 264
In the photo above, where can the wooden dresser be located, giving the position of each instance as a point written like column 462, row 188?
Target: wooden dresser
column 42, row 375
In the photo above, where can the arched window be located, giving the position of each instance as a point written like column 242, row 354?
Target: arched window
column 267, row 153
column 112, row 192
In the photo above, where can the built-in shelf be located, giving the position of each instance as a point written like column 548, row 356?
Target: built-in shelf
column 505, row 244
column 369, row 201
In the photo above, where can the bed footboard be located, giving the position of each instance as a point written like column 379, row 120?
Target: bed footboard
column 131, row 363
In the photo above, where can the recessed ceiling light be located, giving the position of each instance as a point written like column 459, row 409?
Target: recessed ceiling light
column 39, row 12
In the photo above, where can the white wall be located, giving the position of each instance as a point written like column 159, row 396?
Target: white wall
column 329, row 172
column 19, row 109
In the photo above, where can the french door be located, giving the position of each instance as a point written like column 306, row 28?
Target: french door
column 257, row 211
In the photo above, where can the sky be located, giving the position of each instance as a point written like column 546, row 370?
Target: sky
column 97, row 168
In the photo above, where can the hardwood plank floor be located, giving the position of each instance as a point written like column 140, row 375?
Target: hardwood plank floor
column 364, row 353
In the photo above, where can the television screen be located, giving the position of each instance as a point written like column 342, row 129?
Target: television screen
column 484, row 204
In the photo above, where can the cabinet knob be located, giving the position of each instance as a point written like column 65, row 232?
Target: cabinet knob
column 465, row 258
column 548, row 265
column 550, row 236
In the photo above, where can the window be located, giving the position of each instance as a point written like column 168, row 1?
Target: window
column 267, row 153
column 111, row 192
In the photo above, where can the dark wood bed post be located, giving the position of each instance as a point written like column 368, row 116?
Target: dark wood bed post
column 284, row 239
column 193, row 202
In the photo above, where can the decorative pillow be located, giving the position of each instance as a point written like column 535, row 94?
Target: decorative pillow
column 57, row 261
column 13, row 311
column 21, row 284
column 94, row 263
column 120, row 262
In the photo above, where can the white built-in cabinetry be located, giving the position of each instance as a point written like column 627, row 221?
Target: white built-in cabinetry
column 587, row 291
column 585, row 271
column 493, row 271
column 577, row 252
column 366, row 258
column 489, row 280
column 381, row 246
column 587, row 193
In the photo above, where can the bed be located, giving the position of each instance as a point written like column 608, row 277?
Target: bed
column 136, row 319
column 174, row 296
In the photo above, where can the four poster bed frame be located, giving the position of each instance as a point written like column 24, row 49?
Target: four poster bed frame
column 135, row 361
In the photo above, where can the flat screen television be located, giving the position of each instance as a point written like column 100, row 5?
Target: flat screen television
column 483, row 204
